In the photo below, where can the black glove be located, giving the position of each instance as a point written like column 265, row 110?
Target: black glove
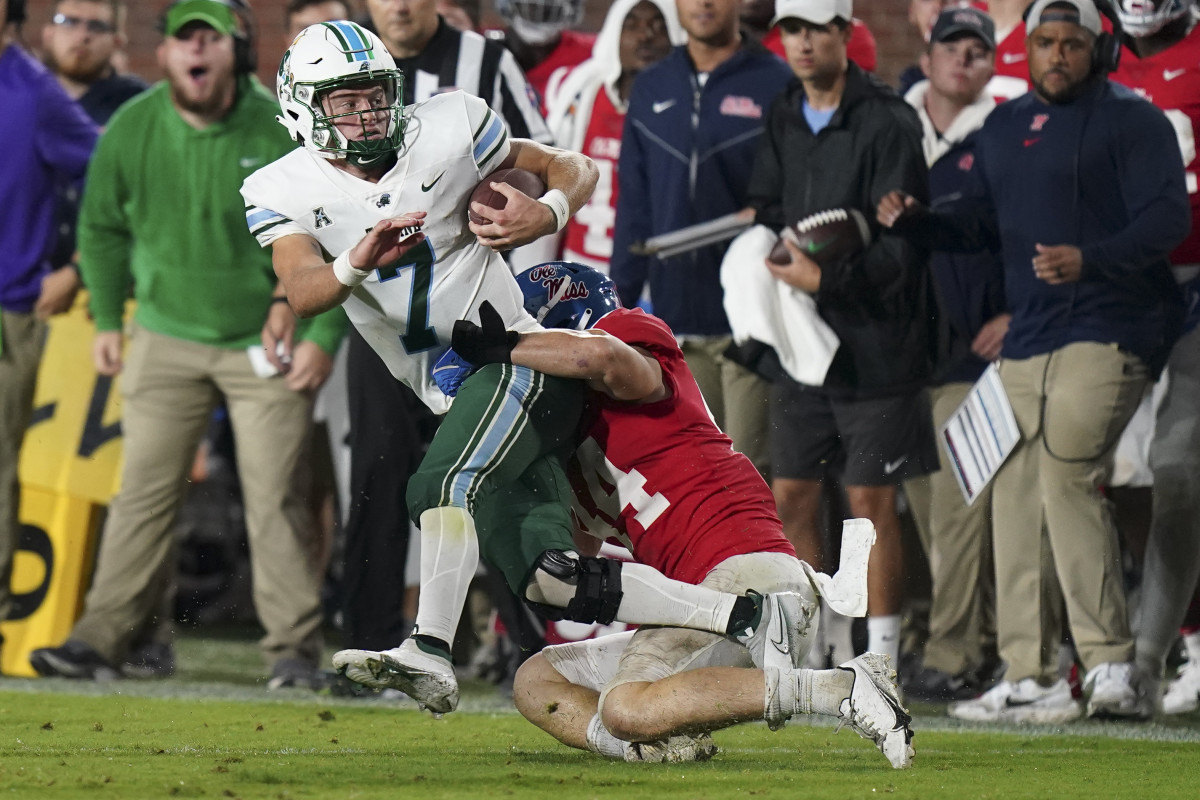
column 487, row 343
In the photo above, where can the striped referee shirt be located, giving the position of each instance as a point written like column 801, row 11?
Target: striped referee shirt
column 466, row 60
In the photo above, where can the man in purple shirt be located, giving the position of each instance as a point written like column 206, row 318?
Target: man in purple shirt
column 46, row 139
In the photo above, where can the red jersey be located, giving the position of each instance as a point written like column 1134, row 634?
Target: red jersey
column 662, row 477
column 573, row 49
column 861, row 49
column 1171, row 80
column 589, row 234
column 1011, row 59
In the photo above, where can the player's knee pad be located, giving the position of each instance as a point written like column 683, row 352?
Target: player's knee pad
column 575, row 588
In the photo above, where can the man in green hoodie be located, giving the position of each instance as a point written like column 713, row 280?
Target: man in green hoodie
column 161, row 210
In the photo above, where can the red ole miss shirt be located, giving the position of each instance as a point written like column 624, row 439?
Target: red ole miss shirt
column 589, row 234
column 662, row 477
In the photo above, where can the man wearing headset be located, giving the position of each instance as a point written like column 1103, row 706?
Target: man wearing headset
column 1086, row 222
column 161, row 208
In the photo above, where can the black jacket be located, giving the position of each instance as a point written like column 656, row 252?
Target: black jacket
column 879, row 304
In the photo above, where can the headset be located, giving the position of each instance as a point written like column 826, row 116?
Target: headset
column 16, row 12
column 245, row 56
column 1106, row 52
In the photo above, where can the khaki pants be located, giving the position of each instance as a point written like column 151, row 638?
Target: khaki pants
column 736, row 397
column 170, row 388
column 23, row 337
column 1071, row 406
column 959, row 551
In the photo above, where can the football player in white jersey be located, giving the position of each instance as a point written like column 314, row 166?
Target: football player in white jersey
column 384, row 188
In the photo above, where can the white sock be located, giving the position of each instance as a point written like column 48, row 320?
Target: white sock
column 449, row 557
column 651, row 598
column 599, row 740
column 804, row 691
column 883, row 636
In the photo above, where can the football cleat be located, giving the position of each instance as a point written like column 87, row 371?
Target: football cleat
column 425, row 676
column 782, row 637
column 1183, row 694
column 675, row 750
column 1023, row 702
column 73, row 659
column 873, row 709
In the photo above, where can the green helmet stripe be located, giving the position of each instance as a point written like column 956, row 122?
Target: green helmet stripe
column 341, row 40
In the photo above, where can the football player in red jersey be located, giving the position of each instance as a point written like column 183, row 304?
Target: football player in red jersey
column 653, row 470
column 1162, row 63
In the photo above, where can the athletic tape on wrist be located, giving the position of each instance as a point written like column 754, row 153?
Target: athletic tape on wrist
column 557, row 201
column 347, row 274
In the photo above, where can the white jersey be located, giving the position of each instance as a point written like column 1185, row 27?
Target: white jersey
column 405, row 311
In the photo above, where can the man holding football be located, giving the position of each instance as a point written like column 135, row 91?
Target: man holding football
column 838, row 138
column 403, row 284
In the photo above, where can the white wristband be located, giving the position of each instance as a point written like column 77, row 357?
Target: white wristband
column 557, row 201
column 346, row 274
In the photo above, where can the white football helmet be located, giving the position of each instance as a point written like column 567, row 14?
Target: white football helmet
column 338, row 55
column 1147, row 17
column 539, row 21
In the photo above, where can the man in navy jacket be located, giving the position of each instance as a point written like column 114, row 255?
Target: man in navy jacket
column 1081, row 184
column 694, row 122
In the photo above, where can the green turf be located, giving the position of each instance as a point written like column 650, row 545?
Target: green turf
column 56, row 745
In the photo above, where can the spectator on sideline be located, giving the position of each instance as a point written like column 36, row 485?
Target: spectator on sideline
column 693, row 126
column 161, row 210
column 1163, row 65
column 1093, row 321
column 839, row 138
column 588, row 113
column 456, row 15
column 952, row 105
column 299, row 14
column 78, row 45
column 540, row 35
column 757, row 16
column 389, row 425
column 46, row 138
column 921, row 15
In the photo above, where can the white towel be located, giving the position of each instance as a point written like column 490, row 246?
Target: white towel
column 763, row 308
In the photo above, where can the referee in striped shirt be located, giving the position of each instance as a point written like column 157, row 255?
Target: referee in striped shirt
column 435, row 58
column 390, row 427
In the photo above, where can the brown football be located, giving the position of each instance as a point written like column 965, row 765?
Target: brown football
column 827, row 237
column 521, row 179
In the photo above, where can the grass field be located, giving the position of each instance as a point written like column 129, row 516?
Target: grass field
column 215, row 732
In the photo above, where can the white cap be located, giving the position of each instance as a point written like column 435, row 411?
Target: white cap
column 1088, row 15
column 818, row 12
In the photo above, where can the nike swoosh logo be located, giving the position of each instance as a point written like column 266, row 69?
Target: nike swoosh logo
column 1011, row 703
column 1031, row 142
column 1012, row 58
column 662, row 105
column 1172, row 74
column 781, row 645
column 815, row 248
column 247, row 163
column 425, row 187
column 892, row 466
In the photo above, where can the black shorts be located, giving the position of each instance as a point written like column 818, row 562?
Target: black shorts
column 877, row 442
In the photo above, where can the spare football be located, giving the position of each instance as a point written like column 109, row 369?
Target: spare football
column 520, row 179
column 826, row 237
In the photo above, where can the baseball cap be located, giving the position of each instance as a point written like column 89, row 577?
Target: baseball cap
column 957, row 21
column 818, row 12
column 1085, row 14
column 215, row 15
